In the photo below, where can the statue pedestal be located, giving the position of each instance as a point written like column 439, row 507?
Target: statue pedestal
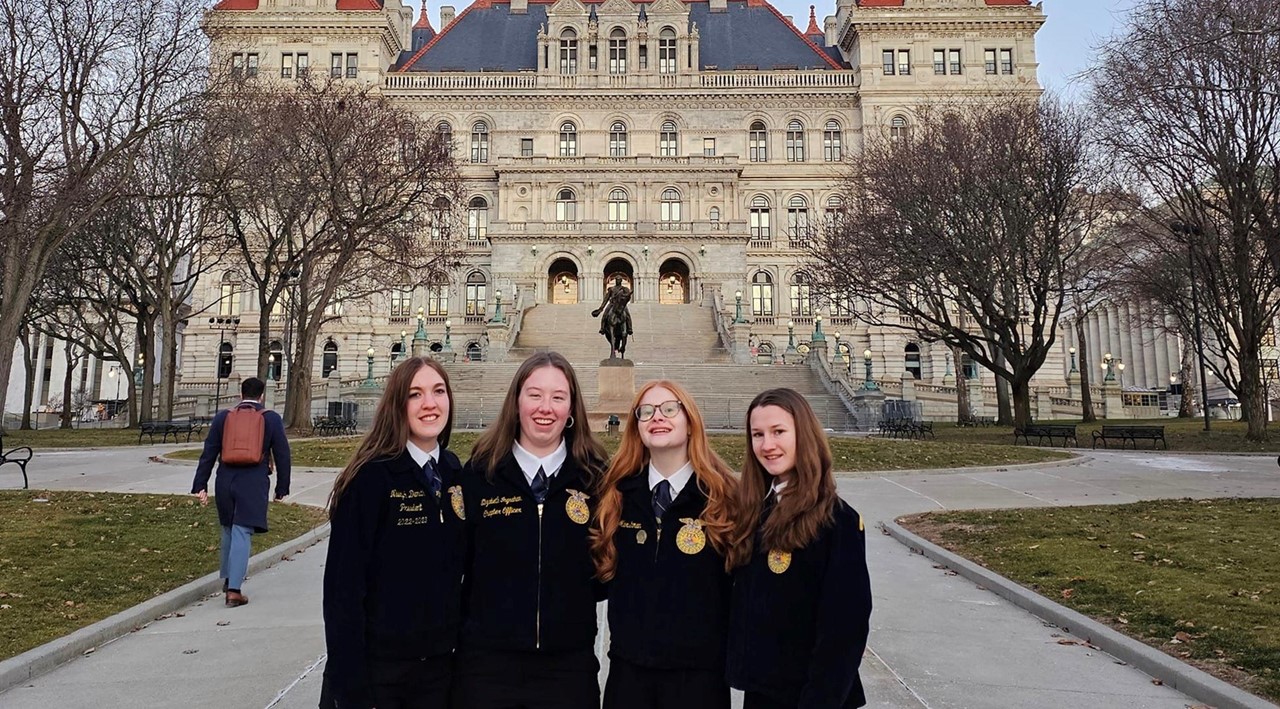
column 616, row 380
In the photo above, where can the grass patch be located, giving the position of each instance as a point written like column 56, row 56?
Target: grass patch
column 1182, row 435
column 1197, row 579
column 851, row 454
column 75, row 438
column 78, row 557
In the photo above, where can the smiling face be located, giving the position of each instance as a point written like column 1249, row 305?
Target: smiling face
column 773, row 440
column 663, row 432
column 544, row 409
column 427, row 408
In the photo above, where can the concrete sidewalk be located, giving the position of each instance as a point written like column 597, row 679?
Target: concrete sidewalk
column 936, row 641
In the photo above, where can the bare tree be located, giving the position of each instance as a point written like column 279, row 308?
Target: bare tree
column 966, row 231
column 1188, row 95
column 81, row 81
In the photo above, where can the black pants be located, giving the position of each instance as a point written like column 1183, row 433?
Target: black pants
column 526, row 680
column 631, row 686
column 755, row 700
column 402, row 684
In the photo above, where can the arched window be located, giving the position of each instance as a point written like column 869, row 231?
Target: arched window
column 670, row 205
column 401, row 301
column 438, row 298
column 474, row 352
column 834, row 213
column 618, row 140
column 760, row 218
column 397, row 353
column 477, row 219
column 480, row 142
column 476, row 294
column 618, row 208
column 667, row 51
column 229, row 295
column 226, row 358
column 569, row 52
column 798, row 221
column 762, row 294
column 832, row 140
column 445, row 131
column 714, row 214
column 795, row 141
column 758, row 142
column 440, row 219
column 568, row 140
column 617, row 51
column 899, row 130
column 329, row 361
column 668, row 140
column 801, row 296
column 275, row 359
column 911, row 355
column 566, row 206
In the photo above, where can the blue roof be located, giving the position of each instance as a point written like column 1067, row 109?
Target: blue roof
column 749, row 36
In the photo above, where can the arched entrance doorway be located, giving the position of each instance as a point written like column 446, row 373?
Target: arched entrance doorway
column 620, row 267
column 673, row 282
column 562, row 282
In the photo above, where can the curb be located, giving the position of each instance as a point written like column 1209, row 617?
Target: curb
column 1198, row 684
column 1074, row 459
column 42, row 659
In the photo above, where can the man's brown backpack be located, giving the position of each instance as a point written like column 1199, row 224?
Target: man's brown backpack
column 243, row 432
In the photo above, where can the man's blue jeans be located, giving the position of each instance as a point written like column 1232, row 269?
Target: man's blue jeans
column 236, row 543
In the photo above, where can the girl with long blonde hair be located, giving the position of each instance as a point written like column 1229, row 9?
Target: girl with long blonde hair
column 662, row 532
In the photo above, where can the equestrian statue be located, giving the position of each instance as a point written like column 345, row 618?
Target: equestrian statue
column 616, row 323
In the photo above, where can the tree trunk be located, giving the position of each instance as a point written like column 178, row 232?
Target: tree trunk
column 964, row 412
column 1004, row 413
column 1086, row 396
column 1187, row 404
column 1253, row 398
column 68, row 352
column 1021, row 404
column 15, row 294
column 168, row 360
column 298, row 393
column 29, row 364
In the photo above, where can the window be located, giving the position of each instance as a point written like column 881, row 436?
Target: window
column 568, row 140
column 714, row 215
column 476, row 294
column 989, row 61
column 478, row 219
column 526, row 147
column 593, row 59
column 667, row 51
column 642, row 54
column 440, row 219
column 618, row 140
column 480, row 142
column 668, row 140
column 795, row 141
column 353, row 65
column 758, row 143
column 275, row 360
column 569, row 52
column 401, row 301
column 617, row 51
column 329, row 361
column 968, row 367
column 617, row 208
column 335, row 65
column 226, row 358
column 709, row 147
column 801, row 296
column 286, row 65
column 898, row 129
column 834, row 212
column 940, row 61
column 1006, row 61
column 229, row 296
column 889, row 64
column 760, row 218
column 954, row 64
column 438, row 300
column 798, row 222
column 911, row 355
column 244, row 64
column 831, row 142
column 670, row 205
column 302, row 61
column 762, row 294
column 445, row 131
column 474, row 352
column 566, row 206
column 904, row 62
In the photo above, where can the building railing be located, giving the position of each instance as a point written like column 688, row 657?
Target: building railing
column 528, row 80
column 604, row 161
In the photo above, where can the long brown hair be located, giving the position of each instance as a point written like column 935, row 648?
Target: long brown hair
column 714, row 477
column 496, row 441
column 809, row 502
column 390, row 430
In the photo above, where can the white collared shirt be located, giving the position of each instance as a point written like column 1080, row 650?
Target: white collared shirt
column 529, row 463
column 776, row 487
column 420, row 456
column 678, row 479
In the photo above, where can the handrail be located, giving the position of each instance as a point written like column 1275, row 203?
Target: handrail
column 835, row 384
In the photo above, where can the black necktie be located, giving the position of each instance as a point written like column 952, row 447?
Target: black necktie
column 433, row 477
column 539, row 486
column 661, row 499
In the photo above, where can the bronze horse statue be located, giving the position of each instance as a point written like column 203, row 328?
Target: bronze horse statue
column 616, row 324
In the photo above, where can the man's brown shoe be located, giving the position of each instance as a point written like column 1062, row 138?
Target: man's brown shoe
column 235, row 598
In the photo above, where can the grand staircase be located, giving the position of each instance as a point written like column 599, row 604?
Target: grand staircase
column 676, row 342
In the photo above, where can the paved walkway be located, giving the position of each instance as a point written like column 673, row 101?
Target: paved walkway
column 936, row 640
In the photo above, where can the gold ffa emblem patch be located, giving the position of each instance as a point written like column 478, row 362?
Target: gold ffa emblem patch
column 691, row 539
column 455, row 499
column 779, row 561
column 641, row 537
column 576, row 507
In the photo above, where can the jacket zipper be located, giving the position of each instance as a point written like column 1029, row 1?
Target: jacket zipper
column 537, row 628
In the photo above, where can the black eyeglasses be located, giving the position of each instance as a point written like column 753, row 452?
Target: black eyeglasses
column 644, row 412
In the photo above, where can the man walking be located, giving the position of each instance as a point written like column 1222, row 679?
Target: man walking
column 245, row 439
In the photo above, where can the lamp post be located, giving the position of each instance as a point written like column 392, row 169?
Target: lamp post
column 1110, row 375
column 222, row 325
column 368, row 377
column 497, row 307
column 947, row 357
column 869, row 384
column 1192, row 231
column 1072, row 350
column 817, row 329
column 403, row 352
column 838, row 356
column 737, row 311
column 448, row 326
column 114, row 373
column 1120, row 370
column 421, row 333
column 791, row 336
column 271, row 367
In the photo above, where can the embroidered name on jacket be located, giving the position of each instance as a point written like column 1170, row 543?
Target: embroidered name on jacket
column 501, row 506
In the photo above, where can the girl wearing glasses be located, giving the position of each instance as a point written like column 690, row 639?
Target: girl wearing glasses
column 801, row 593
column 660, row 539
column 529, row 605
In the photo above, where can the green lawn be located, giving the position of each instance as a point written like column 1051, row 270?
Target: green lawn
column 74, row 438
column 1182, row 434
column 851, row 454
column 1197, row 579
column 69, row 559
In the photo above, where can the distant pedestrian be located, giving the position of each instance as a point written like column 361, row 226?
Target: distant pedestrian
column 802, row 595
column 245, row 440
column 393, row 576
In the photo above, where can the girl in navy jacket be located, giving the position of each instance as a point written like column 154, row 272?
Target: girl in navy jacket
column 393, row 578
column 662, row 529
column 802, row 595
column 529, row 602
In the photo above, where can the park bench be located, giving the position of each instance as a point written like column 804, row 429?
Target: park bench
column 332, row 426
column 19, row 456
column 1130, row 434
column 905, row 428
column 164, row 429
column 1041, row 431
column 975, row 421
